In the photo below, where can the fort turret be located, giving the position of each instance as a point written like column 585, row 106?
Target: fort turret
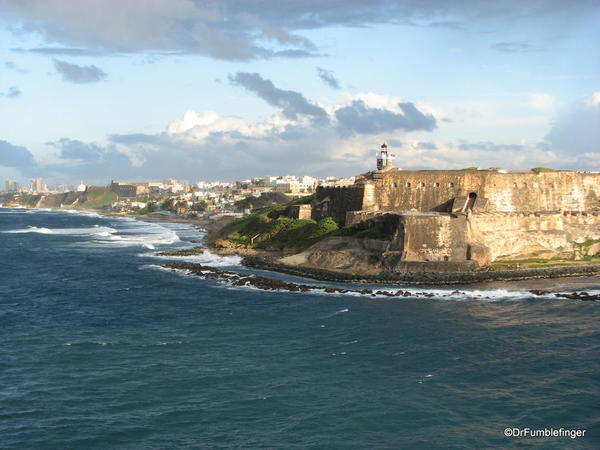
column 385, row 160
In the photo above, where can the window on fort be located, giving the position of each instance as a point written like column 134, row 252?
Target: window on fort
column 450, row 184
column 515, row 184
column 436, row 184
column 394, row 185
column 422, row 184
column 407, row 184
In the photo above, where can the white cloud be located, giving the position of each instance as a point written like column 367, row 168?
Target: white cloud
column 541, row 100
column 594, row 99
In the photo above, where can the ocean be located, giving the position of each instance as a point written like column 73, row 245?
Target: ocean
column 102, row 348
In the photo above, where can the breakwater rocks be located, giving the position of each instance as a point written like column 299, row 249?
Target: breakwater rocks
column 569, row 295
column 270, row 284
column 183, row 252
column 429, row 278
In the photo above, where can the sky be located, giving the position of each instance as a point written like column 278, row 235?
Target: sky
column 95, row 90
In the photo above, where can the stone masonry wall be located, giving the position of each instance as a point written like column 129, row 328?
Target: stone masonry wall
column 337, row 201
column 504, row 192
column 510, row 236
column 423, row 237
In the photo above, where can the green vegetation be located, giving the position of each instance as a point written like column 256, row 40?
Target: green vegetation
column 538, row 170
column 97, row 198
column 469, row 169
column 271, row 228
column 369, row 229
column 199, row 206
column 169, row 204
column 582, row 249
column 264, row 201
column 28, row 199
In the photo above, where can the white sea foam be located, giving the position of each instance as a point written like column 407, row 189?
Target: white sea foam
column 40, row 230
column 206, row 259
column 92, row 231
column 335, row 313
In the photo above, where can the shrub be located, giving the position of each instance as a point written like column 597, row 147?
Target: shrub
column 538, row 170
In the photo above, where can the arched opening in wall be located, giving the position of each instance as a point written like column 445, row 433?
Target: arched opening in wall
column 394, row 185
column 451, row 184
column 436, row 184
column 408, row 184
column 471, row 201
column 423, row 184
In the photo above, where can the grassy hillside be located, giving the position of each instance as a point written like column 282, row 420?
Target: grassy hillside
column 99, row 197
column 271, row 228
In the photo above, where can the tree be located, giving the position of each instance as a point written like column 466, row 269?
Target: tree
column 169, row 205
column 199, row 206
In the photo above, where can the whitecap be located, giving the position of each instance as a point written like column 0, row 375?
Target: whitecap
column 206, row 259
column 31, row 229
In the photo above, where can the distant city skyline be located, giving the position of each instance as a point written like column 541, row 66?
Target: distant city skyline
column 232, row 90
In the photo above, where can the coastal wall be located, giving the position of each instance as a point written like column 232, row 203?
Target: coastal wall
column 514, row 236
column 433, row 190
column 485, row 237
column 423, row 237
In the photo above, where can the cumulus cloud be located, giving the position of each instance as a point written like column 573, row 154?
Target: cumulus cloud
column 359, row 118
column 292, row 103
column 15, row 156
column 74, row 149
column 243, row 30
column 327, row 77
column 577, row 131
column 206, row 145
column 74, row 73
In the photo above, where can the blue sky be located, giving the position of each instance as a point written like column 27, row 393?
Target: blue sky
column 93, row 89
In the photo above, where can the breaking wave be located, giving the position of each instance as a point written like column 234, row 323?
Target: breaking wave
column 92, row 231
column 206, row 259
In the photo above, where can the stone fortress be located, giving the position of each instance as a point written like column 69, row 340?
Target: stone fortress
column 469, row 216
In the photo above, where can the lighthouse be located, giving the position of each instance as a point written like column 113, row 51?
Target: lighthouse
column 384, row 158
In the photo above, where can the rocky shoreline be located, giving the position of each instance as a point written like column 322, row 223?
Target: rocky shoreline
column 421, row 278
column 183, row 252
column 270, row 284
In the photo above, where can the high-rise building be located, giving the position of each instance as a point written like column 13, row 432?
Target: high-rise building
column 37, row 185
column 11, row 186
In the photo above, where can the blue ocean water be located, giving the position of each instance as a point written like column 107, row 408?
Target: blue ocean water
column 100, row 348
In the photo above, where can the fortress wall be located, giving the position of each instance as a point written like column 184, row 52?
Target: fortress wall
column 505, row 192
column 511, row 236
column 337, row 201
column 431, row 238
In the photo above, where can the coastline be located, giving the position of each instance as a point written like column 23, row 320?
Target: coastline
column 426, row 278
column 266, row 260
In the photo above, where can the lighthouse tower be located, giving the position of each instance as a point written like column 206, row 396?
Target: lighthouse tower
column 385, row 160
